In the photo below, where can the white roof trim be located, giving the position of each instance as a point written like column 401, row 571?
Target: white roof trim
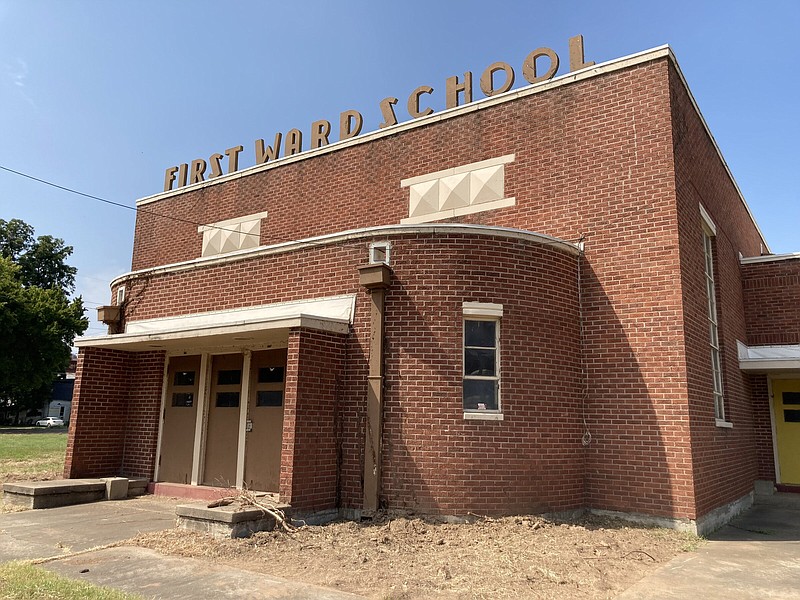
column 334, row 313
column 353, row 234
column 716, row 147
column 768, row 358
column 769, row 258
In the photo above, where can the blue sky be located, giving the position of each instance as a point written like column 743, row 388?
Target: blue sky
column 104, row 96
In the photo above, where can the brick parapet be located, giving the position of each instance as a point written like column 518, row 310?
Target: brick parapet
column 772, row 302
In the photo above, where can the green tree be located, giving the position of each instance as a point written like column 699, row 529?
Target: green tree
column 38, row 320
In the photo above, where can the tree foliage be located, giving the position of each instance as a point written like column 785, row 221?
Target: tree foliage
column 42, row 260
column 38, row 320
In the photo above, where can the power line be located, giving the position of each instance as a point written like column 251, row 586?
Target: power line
column 112, row 203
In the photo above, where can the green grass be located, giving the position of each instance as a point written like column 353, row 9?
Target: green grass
column 21, row 581
column 32, row 455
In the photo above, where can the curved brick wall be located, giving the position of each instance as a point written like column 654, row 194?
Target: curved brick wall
column 434, row 460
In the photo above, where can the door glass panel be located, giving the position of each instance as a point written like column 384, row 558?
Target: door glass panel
column 269, row 398
column 183, row 399
column 184, row 378
column 791, row 416
column 229, row 377
column 227, row 399
column 270, row 374
column 791, row 397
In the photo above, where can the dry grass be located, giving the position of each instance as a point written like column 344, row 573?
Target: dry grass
column 407, row 557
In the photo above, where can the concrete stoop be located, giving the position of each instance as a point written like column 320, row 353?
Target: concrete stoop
column 226, row 521
column 65, row 492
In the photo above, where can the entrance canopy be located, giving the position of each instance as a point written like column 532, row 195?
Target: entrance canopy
column 769, row 358
column 248, row 325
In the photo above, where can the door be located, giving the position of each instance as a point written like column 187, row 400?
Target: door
column 222, row 437
column 180, row 415
column 786, row 405
column 262, row 463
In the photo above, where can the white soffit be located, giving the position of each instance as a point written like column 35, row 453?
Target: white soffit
column 768, row 358
column 334, row 313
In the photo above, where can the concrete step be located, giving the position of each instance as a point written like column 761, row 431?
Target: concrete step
column 64, row 492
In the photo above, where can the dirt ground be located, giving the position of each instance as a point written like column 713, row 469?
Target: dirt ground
column 405, row 557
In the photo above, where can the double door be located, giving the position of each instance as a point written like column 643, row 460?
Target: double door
column 240, row 418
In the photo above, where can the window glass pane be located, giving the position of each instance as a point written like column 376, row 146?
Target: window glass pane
column 184, row 378
column 183, row 399
column 791, row 397
column 270, row 375
column 479, row 333
column 269, row 398
column 227, row 399
column 479, row 362
column 480, row 394
column 791, row 416
column 229, row 377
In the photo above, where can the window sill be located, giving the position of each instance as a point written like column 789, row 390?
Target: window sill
column 483, row 416
column 724, row 424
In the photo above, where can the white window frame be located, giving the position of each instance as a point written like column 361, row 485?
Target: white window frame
column 712, row 314
column 482, row 311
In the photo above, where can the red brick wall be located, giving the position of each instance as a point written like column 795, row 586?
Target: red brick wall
column 433, row 459
column 532, row 460
column 762, row 423
column 112, row 390
column 315, row 366
column 772, row 302
column 621, row 159
column 142, row 407
column 724, row 460
column 592, row 158
column 97, row 425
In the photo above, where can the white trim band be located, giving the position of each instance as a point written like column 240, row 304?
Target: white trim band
column 354, row 234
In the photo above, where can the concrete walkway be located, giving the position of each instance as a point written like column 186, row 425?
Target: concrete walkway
column 757, row 555
column 63, row 534
column 59, row 531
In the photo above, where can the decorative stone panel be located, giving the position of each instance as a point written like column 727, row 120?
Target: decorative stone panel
column 463, row 190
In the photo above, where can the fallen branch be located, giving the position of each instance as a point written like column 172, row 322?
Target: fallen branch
column 248, row 498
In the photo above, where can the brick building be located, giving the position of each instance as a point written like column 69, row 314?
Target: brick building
column 548, row 300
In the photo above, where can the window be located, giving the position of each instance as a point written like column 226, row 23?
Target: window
column 481, row 360
column 709, row 232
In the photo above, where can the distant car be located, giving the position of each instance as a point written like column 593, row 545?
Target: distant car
column 50, row 422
